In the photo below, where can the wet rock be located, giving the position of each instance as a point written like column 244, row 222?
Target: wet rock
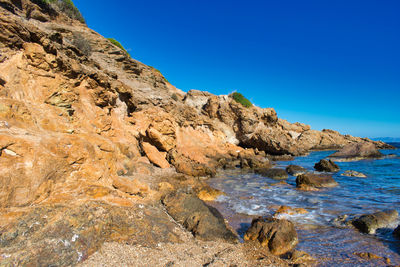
column 249, row 159
column 341, row 221
column 203, row 221
column 315, row 181
column 371, row 222
column 396, row 232
column 367, row 255
column 295, row 170
column 301, row 258
column 207, row 193
column 326, row 166
column 357, row 151
column 289, row 211
column 278, row 236
column 277, row 174
column 351, row 173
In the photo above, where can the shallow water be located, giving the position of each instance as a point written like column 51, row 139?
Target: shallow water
column 251, row 194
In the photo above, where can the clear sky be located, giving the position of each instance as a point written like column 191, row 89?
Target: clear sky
column 331, row 64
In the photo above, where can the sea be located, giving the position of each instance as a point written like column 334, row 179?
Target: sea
column 250, row 195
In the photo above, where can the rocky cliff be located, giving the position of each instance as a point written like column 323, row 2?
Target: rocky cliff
column 84, row 127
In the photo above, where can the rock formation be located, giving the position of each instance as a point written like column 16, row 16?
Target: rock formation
column 326, row 166
column 86, row 129
column 369, row 223
column 277, row 236
column 309, row 181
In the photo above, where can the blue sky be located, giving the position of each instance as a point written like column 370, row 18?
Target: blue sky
column 330, row 64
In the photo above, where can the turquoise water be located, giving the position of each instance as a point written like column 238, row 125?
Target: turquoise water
column 250, row 194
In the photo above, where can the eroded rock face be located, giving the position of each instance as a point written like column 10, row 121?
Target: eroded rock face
column 311, row 180
column 203, row 221
column 326, row 166
column 295, row 170
column 371, row 222
column 357, row 151
column 278, row 236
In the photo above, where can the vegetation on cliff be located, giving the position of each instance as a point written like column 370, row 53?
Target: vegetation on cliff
column 238, row 97
column 117, row 44
column 65, row 6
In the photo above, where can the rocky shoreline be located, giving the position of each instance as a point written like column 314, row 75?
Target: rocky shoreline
column 98, row 149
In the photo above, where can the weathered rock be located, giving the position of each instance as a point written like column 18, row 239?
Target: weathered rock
column 278, row 174
column 326, row 166
column 371, row 222
column 156, row 157
column 295, row 170
column 350, row 173
column 67, row 234
column 315, row 180
column 278, row 236
column 357, row 151
column 188, row 166
column 203, row 221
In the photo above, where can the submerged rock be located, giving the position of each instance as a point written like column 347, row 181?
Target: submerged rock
column 277, row 174
column 312, row 180
column 295, row 170
column 357, row 151
column 326, row 166
column 279, row 236
column 207, row 193
column 396, row 232
column 369, row 223
column 351, row 173
column 201, row 220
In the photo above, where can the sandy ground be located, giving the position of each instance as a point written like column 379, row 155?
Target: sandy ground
column 194, row 253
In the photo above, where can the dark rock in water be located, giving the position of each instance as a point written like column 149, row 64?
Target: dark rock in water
column 396, row 232
column 203, row 221
column 326, row 166
column 295, row 170
column 279, row 236
column 370, row 222
column 351, row 173
column 315, row 180
column 277, row 174
column 357, row 151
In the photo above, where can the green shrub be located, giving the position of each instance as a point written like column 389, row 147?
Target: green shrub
column 238, row 97
column 117, row 44
column 65, row 6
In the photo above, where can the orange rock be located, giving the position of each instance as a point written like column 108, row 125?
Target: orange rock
column 156, row 157
column 208, row 193
column 130, row 186
column 290, row 211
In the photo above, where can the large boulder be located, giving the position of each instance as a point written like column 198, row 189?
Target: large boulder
column 369, row 223
column 326, row 166
column 311, row 180
column 203, row 221
column 357, row 151
column 295, row 170
column 277, row 174
column 278, row 236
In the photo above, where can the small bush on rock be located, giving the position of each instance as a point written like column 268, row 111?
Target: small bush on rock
column 117, row 44
column 238, row 97
column 64, row 6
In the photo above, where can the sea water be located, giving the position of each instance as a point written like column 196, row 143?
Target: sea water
column 251, row 195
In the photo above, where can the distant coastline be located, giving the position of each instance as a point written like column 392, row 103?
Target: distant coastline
column 387, row 139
